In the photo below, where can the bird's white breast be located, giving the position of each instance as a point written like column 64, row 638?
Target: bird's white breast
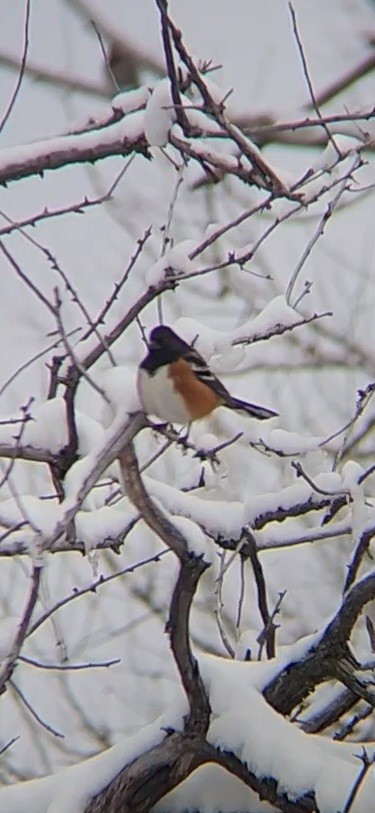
column 158, row 396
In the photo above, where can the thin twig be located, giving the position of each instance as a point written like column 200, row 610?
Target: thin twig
column 9, row 662
column 38, row 293
column 118, row 285
column 331, row 206
column 8, row 745
column 67, row 667
column 34, row 713
column 92, row 588
column 308, row 79
column 76, row 362
column 22, row 67
column 219, row 606
column 105, row 56
column 367, row 762
column 37, row 356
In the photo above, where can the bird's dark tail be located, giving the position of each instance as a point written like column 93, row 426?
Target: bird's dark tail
column 252, row 409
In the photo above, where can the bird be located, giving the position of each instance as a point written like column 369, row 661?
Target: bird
column 176, row 385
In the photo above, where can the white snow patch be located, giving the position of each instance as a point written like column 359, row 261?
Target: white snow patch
column 120, row 385
column 176, row 261
column 94, row 527
column 276, row 312
column 242, row 721
column 345, row 145
column 41, row 514
column 196, row 540
column 130, row 100
column 72, row 788
column 159, row 115
column 218, row 517
column 46, row 430
column 291, row 443
column 129, row 128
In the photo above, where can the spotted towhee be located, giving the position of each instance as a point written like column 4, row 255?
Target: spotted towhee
column 176, row 385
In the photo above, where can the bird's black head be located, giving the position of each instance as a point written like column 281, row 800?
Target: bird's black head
column 162, row 336
column 164, row 347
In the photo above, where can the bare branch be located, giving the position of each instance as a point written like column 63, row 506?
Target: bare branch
column 191, row 569
column 321, row 661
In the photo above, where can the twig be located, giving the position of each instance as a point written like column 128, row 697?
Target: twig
column 241, row 597
column 167, row 226
column 30, row 361
column 367, row 762
column 267, row 636
column 18, row 437
column 8, row 745
column 347, row 80
column 77, row 364
column 270, row 628
column 67, row 667
column 9, row 662
column 26, row 279
column 360, row 551
column 34, row 713
column 219, row 606
column 21, row 69
column 348, row 728
column 118, row 285
column 74, row 208
column 105, row 56
column 308, row 79
column 50, row 76
column 331, row 206
column 301, row 473
column 92, row 588
column 171, row 69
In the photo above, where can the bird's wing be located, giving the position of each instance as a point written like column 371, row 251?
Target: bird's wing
column 203, row 372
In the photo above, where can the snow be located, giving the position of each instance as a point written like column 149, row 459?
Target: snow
column 129, row 128
column 73, row 787
column 221, row 309
column 159, row 115
column 120, row 386
column 207, row 441
column 130, row 100
column 209, row 341
column 276, row 312
column 47, row 428
column 343, row 144
column 299, row 492
column 291, row 443
column 215, row 516
column 197, row 542
column 95, row 527
column 278, row 534
column 176, row 261
column 40, row 514
column 242, row 721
